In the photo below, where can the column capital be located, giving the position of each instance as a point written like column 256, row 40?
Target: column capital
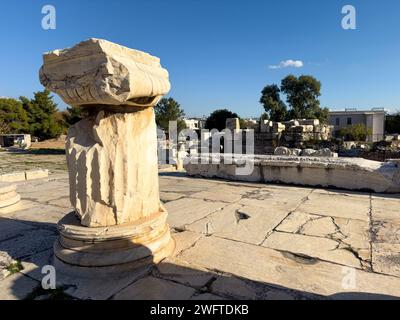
column 99, row 72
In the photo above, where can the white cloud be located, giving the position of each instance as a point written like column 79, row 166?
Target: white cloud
column 288, row 64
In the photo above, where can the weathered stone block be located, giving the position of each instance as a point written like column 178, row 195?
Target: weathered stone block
column 36, row 174
column 98, row 72
column 12, row 177
column 346, row 173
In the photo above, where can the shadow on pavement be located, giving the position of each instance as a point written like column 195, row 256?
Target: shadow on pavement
column 165, row 281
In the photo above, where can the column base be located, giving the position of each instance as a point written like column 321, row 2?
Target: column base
column 9, row 198
column 145, row 242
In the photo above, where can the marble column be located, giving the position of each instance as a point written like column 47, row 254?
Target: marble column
column 111, row 155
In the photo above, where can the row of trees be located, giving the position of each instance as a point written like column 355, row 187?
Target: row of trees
column 38, row 116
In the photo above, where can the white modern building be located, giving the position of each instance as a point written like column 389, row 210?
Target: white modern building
column 374, row 119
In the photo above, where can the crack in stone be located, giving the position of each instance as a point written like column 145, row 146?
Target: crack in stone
column 372, row 233
column 300, row 230
column 190, row 247
column 338, row 230
column 207, row 287
column 303, row 200
column 341, row 245
column 46, row 203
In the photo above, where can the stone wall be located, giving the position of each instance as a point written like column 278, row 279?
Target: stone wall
column 293, row 133
column 349, row 173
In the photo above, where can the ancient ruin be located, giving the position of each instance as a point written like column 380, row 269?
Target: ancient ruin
column 298, row 133
column 111, row 154
column 9, row 198
column 345, row 173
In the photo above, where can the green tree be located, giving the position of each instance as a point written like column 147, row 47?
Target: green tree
column 217, row 119
column 43, row 118
column 356, row 132
column 169, row 110
column 273, row 105
column 392, row 123
column 72, row 115
column 302, row 97
column 13, row 117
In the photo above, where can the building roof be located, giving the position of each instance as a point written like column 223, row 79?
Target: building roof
column 354, row 111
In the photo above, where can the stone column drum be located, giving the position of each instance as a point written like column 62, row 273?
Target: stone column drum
column 111, row 155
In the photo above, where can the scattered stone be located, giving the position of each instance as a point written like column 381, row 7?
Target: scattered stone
column 282, row 151
column 296, row 152
column 308, row 152
column 5, row 262
column 325, row 153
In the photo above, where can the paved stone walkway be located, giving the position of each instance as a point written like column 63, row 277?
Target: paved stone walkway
column 234, row 241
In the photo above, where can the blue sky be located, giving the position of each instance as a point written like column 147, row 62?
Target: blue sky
column 218, row 53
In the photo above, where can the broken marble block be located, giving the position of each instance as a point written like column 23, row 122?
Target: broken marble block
column 97, row 72
column 113, row 167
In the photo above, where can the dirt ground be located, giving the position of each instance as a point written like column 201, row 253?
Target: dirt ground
column 52, row 159
column 50, row 144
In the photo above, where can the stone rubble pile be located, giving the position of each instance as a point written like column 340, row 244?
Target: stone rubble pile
column 284, row 151
column 297, row 131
